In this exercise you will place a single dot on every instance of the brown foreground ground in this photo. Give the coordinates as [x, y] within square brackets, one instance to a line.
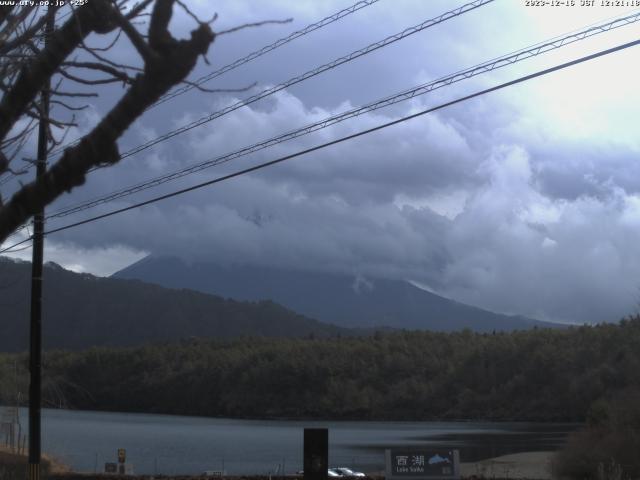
[529, 465]
[13, 465]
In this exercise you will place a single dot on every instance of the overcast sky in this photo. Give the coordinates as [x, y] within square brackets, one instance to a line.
[523, 201]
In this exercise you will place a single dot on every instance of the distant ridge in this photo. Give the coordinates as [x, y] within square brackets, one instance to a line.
[338, 299]
[81, 311]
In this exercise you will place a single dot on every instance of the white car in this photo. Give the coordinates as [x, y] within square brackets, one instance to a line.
[347, 472]
[332, 472]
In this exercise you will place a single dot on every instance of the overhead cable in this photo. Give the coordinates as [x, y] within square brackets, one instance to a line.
[339, 140]
[311, 73]
[499, 62]
[246, 59]
[266, 49]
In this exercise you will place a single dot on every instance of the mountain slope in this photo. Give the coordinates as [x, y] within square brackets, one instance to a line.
[80, 310]
[338, 299]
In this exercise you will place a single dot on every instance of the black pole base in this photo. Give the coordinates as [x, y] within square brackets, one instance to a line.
[34, 471]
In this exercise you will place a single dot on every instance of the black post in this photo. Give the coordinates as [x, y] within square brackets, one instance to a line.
[35, 344]
[316, 453]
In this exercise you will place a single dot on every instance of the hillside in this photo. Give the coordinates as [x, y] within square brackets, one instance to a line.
[338, 299]
[81, 310]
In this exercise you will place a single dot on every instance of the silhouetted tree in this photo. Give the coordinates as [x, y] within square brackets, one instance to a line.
[27, 65]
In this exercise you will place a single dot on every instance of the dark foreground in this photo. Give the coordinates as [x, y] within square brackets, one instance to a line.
[529, 465]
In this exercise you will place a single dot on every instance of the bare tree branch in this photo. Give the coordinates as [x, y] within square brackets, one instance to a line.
[192, 15]
[137, 9]
[5, 11]
[172, 61]
[38, 114]
[14, 21]
[101, 58]
[60, 93]
[99, 81]
[109, 46]
[136, 39]
[114, 72]
[24, 36]
[90, 17]
[159, 36]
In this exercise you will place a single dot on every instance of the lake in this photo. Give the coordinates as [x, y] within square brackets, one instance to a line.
[169, 444]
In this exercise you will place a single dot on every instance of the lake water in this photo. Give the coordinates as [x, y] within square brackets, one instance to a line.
[168, 444]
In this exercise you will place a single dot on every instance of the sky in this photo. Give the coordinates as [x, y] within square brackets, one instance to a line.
[522, 201]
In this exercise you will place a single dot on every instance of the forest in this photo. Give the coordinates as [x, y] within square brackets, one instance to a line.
[537, 375]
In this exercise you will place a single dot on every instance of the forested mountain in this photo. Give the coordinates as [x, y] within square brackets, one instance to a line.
[343, 300]
[537, 374]
[80, 310]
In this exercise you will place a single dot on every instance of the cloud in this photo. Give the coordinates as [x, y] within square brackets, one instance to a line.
[517, 250]
[522, 201]
[100, 261]
[514, 227]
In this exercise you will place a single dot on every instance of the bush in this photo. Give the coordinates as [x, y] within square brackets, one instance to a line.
[608, 448]
[14, 467]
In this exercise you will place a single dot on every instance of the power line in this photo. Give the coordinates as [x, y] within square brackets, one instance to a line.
[499, 62]
[11, 175]
[342, 139]
[266, 49]
[16, 250]
[10, 248]
[311, 73]
[235, 64]
[15, 233]
[252, 56]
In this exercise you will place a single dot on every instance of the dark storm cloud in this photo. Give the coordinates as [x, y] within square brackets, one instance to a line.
[513, 202]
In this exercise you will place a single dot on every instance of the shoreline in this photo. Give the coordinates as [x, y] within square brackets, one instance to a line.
[345, 419]
[525, 465]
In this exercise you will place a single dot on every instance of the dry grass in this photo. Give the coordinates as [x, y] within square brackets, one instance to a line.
[13, 465]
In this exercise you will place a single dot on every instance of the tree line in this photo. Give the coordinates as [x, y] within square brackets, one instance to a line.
[537, 375]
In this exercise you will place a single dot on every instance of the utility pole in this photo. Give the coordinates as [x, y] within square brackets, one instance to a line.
[35, 344]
